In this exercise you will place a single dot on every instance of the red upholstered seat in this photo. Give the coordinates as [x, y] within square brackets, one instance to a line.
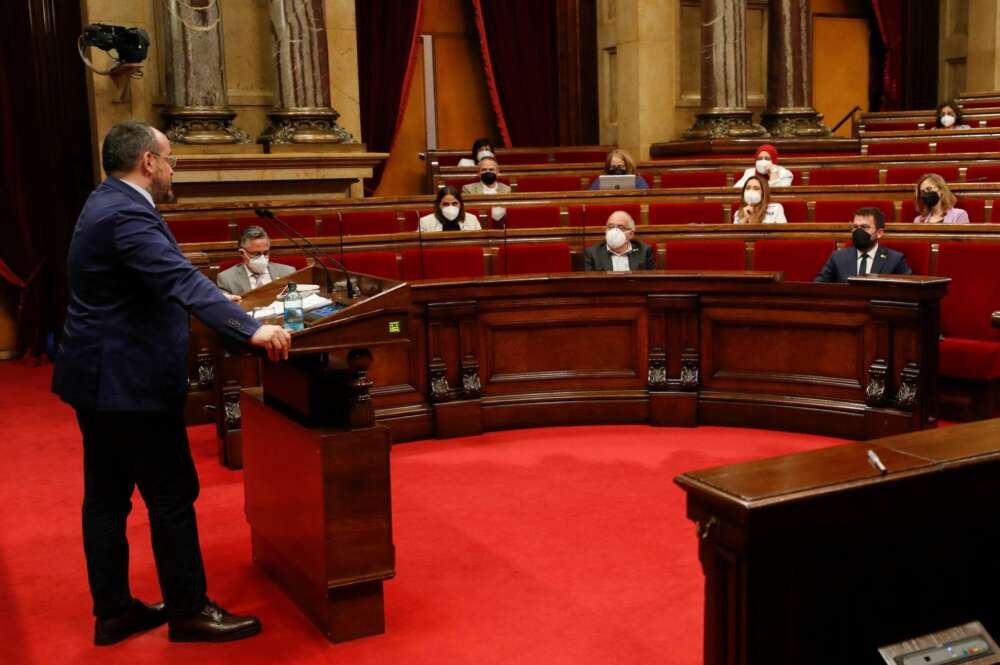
[701, 212]
[843, 176]
[982, 173]
[202, 229]
[580, 156]
[532, 217]
[458, 182]
[304, 224]
[800, 260]
[538, 258]
[380, 264]
[705, 255]
[549, 183]
[368, 222]
[969, 358]
[908, 175]
[907, 212]
[681, 179]
[443, 263]
[899, 148]
[981, 104]
[917, 253]
[968, 145]
[531, 157]
[971, 346]
[990, 122]
[842, 212]
[597, 214]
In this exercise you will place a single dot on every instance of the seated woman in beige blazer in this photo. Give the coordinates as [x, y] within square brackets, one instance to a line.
[449, 214]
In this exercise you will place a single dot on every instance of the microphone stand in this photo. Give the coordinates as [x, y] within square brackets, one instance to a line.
[420, 244]
[308, 247]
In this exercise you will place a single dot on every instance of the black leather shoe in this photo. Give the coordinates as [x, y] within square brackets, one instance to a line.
[139, 618]
[213, 624]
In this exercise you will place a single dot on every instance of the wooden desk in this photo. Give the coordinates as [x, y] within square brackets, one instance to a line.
[817, 558]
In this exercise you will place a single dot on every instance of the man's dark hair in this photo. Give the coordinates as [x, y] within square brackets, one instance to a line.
[124, 145]
[253, 232]
[874, 213]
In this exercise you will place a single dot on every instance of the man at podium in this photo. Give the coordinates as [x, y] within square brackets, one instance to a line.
[121, 364]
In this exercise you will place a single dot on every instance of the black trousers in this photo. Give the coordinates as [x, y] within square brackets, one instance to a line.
[122, 451]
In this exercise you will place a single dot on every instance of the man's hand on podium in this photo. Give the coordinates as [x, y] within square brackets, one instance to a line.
[275, 339]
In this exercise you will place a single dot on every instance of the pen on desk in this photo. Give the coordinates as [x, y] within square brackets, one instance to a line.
[874, 460]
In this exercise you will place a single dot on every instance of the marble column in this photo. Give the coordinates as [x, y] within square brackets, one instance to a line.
[789, 72]
[724, 111]
[302, 112]
[197, 103]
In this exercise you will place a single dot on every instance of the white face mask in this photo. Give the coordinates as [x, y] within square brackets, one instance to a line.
[482, 154]
[615, 238]
[947, 120]
[763, 166]
[258, 264]
[752, 196]
[450, 212]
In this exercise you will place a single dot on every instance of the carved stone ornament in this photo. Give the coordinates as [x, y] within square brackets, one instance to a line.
[724, 124]
[232, 410]
[471, 386]
[203, 127]
[689, 370]
[657, 375]
[305, 126]
[794, 124]
[875, 390]
[906, 396]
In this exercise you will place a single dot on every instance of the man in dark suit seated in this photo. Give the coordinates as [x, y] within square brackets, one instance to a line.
[256, 269]
[865, 257]
[122, 365]
[620, 251]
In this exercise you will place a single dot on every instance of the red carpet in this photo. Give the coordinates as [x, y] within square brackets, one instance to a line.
[563, 545]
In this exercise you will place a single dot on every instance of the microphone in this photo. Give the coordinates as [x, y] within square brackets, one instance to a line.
[420, 243]
[308, 247]
[506, 250]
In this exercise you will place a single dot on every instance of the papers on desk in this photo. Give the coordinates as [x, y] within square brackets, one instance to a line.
[277, 308]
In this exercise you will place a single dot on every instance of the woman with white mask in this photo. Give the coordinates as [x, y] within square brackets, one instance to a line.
[767, 166]
[449, 214]
[949, 116]
[482, 147]
[755, 207]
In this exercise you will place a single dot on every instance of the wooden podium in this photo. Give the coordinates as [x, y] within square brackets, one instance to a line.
[316, 466]
[819, 558]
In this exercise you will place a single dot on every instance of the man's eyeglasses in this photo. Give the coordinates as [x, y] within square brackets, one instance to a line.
[620, 227]
[171, 160]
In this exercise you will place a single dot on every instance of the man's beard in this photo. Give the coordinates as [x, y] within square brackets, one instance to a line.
[163, 194]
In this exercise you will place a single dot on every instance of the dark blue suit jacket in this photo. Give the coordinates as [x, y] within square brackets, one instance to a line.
[125, 343]
[843, 263]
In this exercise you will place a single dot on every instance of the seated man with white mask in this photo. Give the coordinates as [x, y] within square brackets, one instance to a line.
[620, 251]
[256, 270]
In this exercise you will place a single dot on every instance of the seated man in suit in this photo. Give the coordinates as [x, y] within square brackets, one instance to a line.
[865, 257]
[255, 270]
[489, 171]
[620, 251]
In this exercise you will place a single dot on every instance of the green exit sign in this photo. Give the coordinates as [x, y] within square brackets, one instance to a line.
[394, 326]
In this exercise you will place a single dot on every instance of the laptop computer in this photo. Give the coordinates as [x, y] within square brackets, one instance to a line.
[616, 182]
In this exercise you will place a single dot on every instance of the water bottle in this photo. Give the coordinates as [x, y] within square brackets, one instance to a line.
[294, 316]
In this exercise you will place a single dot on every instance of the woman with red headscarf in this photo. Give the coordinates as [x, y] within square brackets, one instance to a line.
[767, 166]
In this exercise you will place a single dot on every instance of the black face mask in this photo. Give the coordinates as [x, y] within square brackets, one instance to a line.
[488, 178]
[617, 170]
[930, 199]
[862, 241]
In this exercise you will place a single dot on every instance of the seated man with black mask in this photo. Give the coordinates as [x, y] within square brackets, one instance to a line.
[865, 257]
[489, 171]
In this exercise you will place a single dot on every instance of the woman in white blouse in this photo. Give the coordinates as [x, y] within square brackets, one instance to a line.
[767, 166]
[449, 214]
[755, 205]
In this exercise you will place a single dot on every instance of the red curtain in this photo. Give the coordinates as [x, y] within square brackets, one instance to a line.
[518, 41]
[889, 14]
[387, 49]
